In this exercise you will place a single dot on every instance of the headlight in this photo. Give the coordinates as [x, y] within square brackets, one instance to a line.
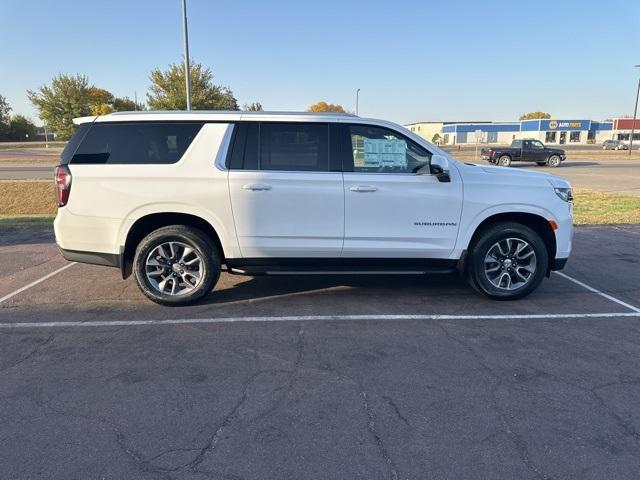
[564, 193]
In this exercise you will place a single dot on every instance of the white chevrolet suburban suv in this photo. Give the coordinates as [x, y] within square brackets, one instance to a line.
[175, 197]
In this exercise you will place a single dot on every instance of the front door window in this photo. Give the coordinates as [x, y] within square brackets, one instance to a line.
[379, 150]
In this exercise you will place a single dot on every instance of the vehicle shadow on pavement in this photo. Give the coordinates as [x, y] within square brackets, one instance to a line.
[253, 288]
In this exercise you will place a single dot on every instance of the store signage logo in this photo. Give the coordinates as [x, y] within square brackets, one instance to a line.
[554, 124]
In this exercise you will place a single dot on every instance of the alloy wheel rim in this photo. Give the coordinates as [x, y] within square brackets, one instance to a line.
[510, 263]
[174, 268]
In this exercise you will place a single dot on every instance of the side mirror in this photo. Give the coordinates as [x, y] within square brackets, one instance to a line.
[440, 168]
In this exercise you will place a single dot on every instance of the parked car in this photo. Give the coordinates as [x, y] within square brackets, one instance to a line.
[615, 145]
[527, 150]
[175, 197]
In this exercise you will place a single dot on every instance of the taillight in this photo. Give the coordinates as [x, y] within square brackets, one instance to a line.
[63, 184]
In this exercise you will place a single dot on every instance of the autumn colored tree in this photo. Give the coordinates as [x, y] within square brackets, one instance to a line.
[534, 115]
[167, 90]
[326, 107]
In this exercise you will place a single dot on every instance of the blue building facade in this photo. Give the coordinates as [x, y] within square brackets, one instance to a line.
[561, 132]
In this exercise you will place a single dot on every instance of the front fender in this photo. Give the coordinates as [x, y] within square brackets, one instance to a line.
[465, 236]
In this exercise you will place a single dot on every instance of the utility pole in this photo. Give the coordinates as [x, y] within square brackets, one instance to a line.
[187, 71]
[635, 115]
[357, 98]
[135, 100]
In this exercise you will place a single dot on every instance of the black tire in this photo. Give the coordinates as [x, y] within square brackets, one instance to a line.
[203, 248]
[485, 241]
[542, 164]
[554, 161]
[504, 160]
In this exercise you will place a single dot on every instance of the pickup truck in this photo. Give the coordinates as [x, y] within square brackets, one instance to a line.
[524, 151]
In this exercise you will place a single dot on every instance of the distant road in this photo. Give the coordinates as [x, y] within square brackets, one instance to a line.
[26, 172]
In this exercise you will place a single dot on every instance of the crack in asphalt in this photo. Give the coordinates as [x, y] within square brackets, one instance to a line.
[396, 409]
[34, 352]
[517, 440]
[377, 438]
[232, 415]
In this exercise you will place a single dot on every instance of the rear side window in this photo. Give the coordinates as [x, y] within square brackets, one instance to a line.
[72, 145]
[294, 147]
[136, 143]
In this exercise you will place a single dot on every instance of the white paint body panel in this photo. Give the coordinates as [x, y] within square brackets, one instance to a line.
[302, 214]
[298, 214]
[410, 216]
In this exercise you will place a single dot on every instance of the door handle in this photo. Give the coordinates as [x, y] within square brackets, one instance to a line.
[363, 188]
[256, 186]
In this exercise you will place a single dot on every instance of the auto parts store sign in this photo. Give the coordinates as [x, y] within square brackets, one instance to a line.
[564, 125]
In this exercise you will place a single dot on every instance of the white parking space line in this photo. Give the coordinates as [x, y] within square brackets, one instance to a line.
[311, 318]
[595, 290]
[33, 284]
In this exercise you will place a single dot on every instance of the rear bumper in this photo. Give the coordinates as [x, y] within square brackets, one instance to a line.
[558, 263]
[94, 258]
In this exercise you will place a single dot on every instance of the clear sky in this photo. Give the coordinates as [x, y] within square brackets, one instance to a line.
[413, 60]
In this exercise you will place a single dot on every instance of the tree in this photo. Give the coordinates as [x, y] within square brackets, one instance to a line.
[252, 107]
[21, 129]
[326, 107]
[167, 90]
[100, 100]
[68, 97]
[436, 138]
[534, 115]
[5, 109]
[125, 104]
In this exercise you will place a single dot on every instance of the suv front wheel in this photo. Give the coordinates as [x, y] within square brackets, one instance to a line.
[176, 265]
[507, 261]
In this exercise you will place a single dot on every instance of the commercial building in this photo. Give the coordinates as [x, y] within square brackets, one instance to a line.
[551, 131]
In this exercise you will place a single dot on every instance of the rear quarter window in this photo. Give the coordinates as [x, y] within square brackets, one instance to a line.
[135, 143]
[72, 145]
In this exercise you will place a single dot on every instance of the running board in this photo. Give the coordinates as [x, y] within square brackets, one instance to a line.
[294, 266]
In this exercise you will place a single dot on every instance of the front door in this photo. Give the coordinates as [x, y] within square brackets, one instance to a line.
[563, 138]
[394, 207]
[285, 201]
[536, 151]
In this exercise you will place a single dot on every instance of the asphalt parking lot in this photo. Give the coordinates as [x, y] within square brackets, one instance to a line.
[320, 377]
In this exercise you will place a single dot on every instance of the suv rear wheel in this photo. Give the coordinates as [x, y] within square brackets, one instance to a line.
[507, 261]
[176, 265]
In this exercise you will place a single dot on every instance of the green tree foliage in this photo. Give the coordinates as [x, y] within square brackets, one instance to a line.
[125, 104]
[326, 107]
[21, 129]
[252, 107]
[167, 90]
[534, 115]
[5, 110]
[436, 138]
[68, 97]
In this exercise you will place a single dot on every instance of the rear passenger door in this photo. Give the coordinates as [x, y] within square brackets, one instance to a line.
[287, 200]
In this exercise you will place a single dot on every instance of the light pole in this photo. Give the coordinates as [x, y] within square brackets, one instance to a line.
[186, 54]
[635, 114]
[357, 98]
